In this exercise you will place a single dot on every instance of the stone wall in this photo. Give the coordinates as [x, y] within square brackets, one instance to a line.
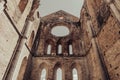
[51, 64]
[100, 21]
[85, 57]
[17, 32]
[95, 37]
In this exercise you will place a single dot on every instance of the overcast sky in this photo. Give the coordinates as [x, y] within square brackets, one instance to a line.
[70, 6]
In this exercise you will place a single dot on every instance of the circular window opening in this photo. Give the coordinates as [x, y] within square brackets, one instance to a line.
[60, 31]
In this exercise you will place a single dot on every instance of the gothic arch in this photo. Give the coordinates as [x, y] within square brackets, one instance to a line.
[52, 43]
[76, 66]
[58, 65]
[70, 46]
[41, 67]
[22, 5]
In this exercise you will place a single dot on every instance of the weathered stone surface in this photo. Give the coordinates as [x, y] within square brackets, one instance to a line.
[94, 37]
[12, 29]
[7, 44]
[112, 60]
[106, 30]
[52, 63]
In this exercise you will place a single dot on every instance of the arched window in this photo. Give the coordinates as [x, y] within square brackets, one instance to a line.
[59, 74]
[75, 74]
[49, 49]
[70, 49]
[22, 5]
[59, 49]
[43, 74]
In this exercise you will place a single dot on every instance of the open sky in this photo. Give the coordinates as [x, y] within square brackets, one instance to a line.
[70, 6]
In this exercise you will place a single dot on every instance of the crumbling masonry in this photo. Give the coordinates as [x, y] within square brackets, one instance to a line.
[94, 39]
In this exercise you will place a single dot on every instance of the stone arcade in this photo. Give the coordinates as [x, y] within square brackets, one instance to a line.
[28, 48]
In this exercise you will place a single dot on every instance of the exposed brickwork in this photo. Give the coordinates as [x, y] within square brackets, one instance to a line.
[106, 30]
[52, 63]
[112, 60]
[94, 37]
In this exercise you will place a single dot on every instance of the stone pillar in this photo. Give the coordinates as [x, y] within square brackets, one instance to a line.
[89, 29]
[53, 50]
[83, 48]
[50, 75]
[40, 50]
[67, 72]
[75, 48]
[16, 56]
[96, 63]
[65, 49]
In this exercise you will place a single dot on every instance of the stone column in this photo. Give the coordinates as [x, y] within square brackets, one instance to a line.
[53, 50]
[75, 48]
[97, 65]
[67, 71]
[65, 49]
[50, 75]
[40, 50]
[16, 56]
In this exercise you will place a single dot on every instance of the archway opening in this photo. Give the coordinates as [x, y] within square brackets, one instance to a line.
[75, 74]
[59, 49]
[43, 75]
[70, 50]
[49, 49]
[59, 74]
[60, 31]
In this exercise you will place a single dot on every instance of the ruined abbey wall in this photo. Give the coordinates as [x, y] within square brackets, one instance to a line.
[95, 40]
[100, 20]
[19, 22]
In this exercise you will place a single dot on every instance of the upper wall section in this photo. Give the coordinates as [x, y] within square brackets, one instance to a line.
[100, 20]
[45, 37]
[15, 17]
[19, 10]
[60, 15]
[8, 41]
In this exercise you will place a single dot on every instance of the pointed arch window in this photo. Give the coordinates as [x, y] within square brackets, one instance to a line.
[59, 49]
[22, 5]
[70, 49]
[49, 49]
[75, 74]
[59, 74]
[43, 74]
